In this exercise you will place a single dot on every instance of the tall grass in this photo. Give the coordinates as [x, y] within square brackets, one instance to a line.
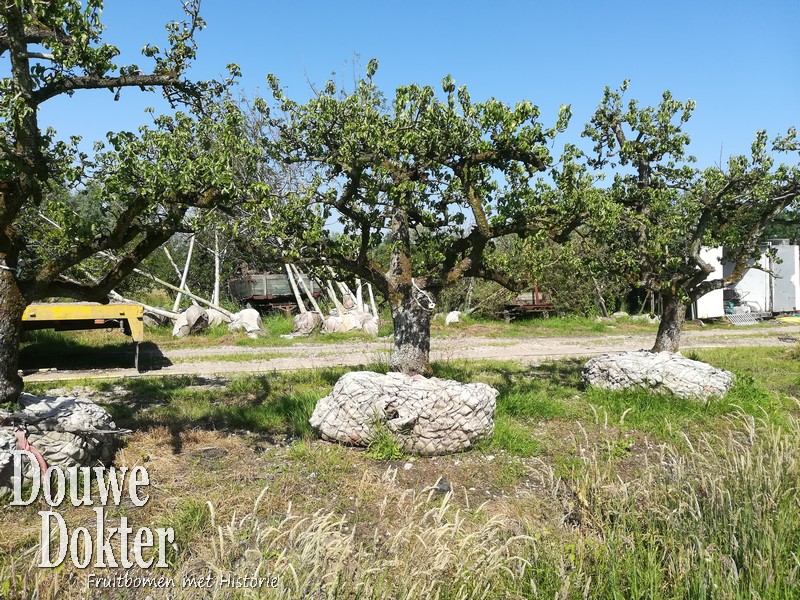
[721, 520]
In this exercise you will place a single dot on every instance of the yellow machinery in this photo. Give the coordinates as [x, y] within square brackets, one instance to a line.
[65, 316]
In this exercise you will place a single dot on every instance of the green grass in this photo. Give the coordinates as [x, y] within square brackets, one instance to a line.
[714, 513]
[664, 414]
[513, 437]
[550, 394]
[382, 446]
[280, 403]
[540, 327]
[231, 357]
[188, 518]
[767, 380]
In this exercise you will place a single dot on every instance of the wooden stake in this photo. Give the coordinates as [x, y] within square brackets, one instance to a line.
[307, 291]
[185, 273]
[297, 296]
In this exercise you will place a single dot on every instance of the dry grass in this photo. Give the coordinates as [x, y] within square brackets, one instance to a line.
[580, 494]
[713, 517]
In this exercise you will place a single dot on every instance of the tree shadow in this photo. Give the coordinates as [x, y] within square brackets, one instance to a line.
[251, 406]
[51, 350]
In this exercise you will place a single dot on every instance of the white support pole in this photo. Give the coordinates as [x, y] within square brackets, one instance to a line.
[215, 293]
[372, 301]
[172, 261]
[334, 299]
[298, 298]
[359, 295]
[307, 291]
[185, 273]
[153, 309]
[346, 292]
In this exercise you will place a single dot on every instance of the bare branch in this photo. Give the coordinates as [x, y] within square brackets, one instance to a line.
[86, 82]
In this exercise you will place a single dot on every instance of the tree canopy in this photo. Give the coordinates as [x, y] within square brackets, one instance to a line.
[663, 210]
[438, 175]
[141, 184]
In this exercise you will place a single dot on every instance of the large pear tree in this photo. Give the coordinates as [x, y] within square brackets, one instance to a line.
[437, 176]
[663, 210]
[144, 182]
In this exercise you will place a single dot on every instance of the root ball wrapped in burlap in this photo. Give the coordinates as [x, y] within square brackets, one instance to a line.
[427, 416]
[657, 371]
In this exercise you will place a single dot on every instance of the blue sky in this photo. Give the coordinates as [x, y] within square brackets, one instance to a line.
[739, 60]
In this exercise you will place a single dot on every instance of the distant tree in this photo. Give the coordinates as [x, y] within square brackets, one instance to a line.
[662, 210]
[143, 184]
[440, 178]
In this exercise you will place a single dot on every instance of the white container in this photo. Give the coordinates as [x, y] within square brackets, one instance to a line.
[786, 282]
[711, 305]
[755, 287]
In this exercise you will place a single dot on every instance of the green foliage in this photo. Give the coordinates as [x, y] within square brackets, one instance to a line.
[661, 210]
[88, 221]
[429, 182]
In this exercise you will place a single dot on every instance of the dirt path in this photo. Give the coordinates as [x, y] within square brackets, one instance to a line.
[226, 360]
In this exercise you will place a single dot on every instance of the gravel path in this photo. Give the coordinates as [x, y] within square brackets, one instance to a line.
[530, 350]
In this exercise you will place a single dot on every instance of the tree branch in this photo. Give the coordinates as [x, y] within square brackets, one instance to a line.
[87, 82]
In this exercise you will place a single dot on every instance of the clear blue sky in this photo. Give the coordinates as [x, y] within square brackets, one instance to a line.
[740, 60]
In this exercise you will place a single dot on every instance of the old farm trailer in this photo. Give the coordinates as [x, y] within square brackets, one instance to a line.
[267, 292]
[527, 304]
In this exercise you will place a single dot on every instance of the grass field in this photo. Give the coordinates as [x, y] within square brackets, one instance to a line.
[580, 493]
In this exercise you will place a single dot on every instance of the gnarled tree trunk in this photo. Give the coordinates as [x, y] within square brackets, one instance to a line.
[673, 315]
[12, 305]
[412, 337]
[411, 308]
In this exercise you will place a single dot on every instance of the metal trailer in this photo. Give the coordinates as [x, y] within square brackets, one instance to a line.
[527, 304]
[267, 291]
[70, 316]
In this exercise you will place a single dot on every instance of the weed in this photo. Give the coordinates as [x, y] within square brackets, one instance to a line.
[382, 445]
[188, 519]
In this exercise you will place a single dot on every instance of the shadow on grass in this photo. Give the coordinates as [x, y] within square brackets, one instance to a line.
[52, 350]
[270, 407]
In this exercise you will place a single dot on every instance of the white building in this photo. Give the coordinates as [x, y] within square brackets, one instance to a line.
[711, 305]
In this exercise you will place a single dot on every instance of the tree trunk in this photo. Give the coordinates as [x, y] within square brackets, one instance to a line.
[673, 314]
[12, 305]
[412, 337]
